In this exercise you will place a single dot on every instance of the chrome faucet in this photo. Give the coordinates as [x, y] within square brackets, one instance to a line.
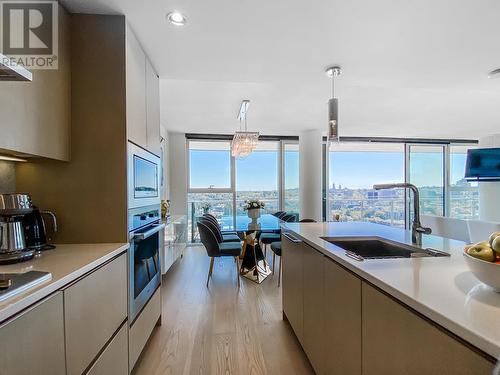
[416, 228]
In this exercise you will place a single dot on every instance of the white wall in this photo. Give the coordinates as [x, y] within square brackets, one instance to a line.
[489, 192]
[177, 174]
[310, 146]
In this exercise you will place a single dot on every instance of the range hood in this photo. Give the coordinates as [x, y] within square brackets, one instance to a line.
[10, 72]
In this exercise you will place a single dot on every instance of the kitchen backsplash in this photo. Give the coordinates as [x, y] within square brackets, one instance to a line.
[7, 177]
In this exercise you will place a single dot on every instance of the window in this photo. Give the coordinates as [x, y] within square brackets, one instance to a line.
[426, 171]
[353, 170]
[463, 195]
[436, 169]
[209, 165]
[291, 178]
[219, 184]
[257, 177]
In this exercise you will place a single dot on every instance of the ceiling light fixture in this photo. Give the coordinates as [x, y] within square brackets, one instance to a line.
[494, 73]
[333, 106]
[176, 18]
[244, 142]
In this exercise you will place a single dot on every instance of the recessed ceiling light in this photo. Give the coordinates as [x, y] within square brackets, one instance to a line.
[494, 73]
[176, 18]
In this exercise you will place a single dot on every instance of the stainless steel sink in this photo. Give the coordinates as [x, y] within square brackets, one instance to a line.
[361, 248]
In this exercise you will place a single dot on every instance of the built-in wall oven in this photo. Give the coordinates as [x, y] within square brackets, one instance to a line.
[145, 227]
[145, 231]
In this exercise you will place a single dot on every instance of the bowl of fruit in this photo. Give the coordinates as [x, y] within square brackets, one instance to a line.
[483, 259]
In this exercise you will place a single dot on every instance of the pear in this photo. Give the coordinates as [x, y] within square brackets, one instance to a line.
[495, 245]
[482, 251]
[492, 237]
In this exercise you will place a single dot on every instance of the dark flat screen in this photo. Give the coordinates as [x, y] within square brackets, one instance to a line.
[483, 163]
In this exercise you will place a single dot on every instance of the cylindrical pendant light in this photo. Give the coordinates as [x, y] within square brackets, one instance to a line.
[333, 106]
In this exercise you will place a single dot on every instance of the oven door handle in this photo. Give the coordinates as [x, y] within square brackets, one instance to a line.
[149, 233]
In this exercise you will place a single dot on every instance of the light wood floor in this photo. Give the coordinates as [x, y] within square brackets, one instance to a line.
[220, 330]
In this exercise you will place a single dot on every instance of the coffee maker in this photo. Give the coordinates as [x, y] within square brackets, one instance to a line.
[13, 247]
[35, 229]
[23, 230]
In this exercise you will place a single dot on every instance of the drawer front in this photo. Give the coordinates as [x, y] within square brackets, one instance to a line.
[143, 326]
[94, 308]
[33, 343]
[114, 359]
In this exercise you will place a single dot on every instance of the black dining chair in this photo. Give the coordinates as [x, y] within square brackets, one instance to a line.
[279, 214]
[217, 250]
[268, 238]
[276, 248]
[226, 236]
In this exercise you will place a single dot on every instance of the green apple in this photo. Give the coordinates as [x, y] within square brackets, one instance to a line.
[496, 245]
[493, 236]
[481, 251]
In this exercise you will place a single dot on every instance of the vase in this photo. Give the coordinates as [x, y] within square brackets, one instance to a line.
[254, 214]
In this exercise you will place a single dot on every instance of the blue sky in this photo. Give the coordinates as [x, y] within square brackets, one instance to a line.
[350, 169]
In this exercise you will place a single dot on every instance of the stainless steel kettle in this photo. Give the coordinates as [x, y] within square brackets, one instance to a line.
[12, 236]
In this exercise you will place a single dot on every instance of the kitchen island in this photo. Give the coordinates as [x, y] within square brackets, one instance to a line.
[406, 315]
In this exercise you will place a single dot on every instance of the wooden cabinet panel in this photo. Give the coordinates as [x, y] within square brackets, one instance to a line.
[36, 115]
[141, 330]
[292, 286]
[33, 342]
[342, 320]
[114, 359]
[314, 307]
[136, 90]
[94, 308]
[397, 341]
[152, 109]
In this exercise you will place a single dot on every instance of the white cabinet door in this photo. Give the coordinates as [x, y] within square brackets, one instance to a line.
[32, 343]
[136, 90]
[94, 308]
[152, 109]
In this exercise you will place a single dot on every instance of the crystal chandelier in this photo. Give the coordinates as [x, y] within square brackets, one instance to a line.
[333, 106]
[244, 142]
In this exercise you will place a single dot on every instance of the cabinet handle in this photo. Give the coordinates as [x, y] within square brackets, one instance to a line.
[292, 238]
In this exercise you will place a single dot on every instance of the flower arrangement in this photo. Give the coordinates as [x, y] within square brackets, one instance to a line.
[206, 207]
[253, 204]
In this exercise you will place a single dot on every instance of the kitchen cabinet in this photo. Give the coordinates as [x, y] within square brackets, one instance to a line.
[292, 257]
[33, 341]
[342, 320]
[396, 340]
[36, 115]
[314, 307]
[114, 359]
[136, 90]
[141, 329]
[152, 109]
[94, 308]
[143, 97]
[174, 241]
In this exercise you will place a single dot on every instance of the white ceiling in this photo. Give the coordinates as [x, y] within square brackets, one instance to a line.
[410, 68]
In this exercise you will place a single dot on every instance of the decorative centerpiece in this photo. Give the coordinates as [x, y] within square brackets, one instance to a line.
[253, 208]
[483, 259]
[205, 207]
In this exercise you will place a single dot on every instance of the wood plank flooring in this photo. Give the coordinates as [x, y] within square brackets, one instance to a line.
[220, 330]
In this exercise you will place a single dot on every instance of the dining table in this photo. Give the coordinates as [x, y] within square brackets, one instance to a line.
[254, 265]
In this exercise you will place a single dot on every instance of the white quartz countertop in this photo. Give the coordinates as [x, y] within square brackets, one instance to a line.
[442, 289]
[66, 263]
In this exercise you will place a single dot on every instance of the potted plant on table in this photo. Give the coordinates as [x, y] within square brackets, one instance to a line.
[253, 208]
[205, 207]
